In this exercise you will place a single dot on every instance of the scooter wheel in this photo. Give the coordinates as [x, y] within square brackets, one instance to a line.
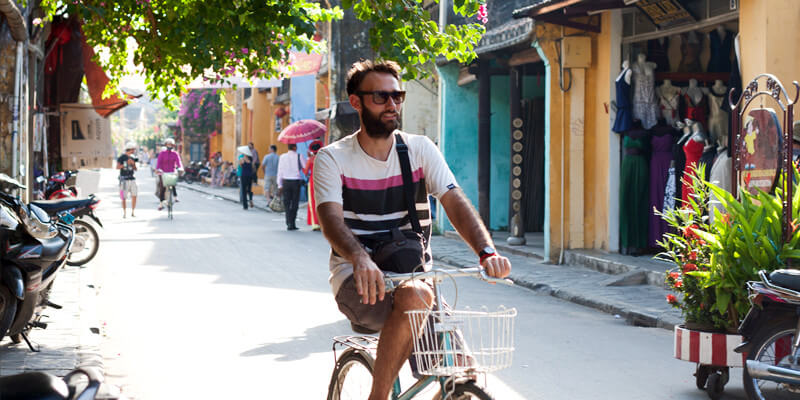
[715, 386]
[701, 376]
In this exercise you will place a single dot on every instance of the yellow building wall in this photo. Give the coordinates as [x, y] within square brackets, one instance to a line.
[596, 122]
[228, 129]
[769, 33]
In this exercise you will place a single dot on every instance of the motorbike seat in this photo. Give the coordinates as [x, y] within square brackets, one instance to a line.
[53, 249]
[54, 206]
[33, 386]
[787, 278]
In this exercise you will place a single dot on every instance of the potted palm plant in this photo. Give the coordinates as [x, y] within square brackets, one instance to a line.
[715, 253]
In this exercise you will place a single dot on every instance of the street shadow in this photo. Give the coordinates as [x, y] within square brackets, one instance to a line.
[318, 339]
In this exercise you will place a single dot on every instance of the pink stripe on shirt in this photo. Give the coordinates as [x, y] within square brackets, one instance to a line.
[379, 184]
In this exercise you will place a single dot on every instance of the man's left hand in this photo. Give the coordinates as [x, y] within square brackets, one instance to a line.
[497, 266]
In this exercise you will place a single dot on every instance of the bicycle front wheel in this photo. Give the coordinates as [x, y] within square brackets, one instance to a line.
[352, 377]
[169, 203]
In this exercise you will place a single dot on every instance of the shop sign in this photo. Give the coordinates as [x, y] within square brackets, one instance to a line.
[761, 144]
[665, 13]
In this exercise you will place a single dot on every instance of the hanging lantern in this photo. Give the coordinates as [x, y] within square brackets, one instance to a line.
[280, 112]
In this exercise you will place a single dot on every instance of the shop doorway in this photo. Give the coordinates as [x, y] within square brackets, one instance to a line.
[533, 164]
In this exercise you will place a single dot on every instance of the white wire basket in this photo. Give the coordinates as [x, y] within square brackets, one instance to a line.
[169, 179]
[458, 342]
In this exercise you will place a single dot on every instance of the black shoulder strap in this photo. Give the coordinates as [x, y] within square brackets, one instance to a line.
[408, 183]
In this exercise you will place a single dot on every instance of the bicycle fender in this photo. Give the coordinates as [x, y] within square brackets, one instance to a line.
[12, 277]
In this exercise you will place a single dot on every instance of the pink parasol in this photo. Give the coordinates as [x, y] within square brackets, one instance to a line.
[302, 131]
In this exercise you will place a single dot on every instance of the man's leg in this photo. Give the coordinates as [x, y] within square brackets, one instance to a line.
[242, 194]
[134, 191]
[295, 202]
[395, 343]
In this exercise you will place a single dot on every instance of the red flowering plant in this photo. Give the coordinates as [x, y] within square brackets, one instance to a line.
[715, 256]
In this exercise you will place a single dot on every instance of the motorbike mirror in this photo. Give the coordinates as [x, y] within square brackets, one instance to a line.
[7, 180]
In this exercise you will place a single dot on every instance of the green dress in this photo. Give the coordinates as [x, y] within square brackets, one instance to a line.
[634, 193]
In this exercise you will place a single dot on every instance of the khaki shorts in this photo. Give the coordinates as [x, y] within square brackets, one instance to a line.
[128, 188]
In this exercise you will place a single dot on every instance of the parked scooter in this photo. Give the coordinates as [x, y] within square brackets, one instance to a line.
[87, 241]
[194, 172]
[61, 185]
[34, 250]
[40, 386]
[770, 336]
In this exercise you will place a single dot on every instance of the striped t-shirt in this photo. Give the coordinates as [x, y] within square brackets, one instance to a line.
[371, 191]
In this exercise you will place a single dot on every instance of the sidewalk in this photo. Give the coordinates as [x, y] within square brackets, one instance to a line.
[73, 334]
[630, 288]
[232, 194]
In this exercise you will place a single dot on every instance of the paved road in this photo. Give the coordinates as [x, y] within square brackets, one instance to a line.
[225, 303]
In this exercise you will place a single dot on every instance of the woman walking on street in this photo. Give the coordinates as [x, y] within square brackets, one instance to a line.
[311, 213]
[245, 180]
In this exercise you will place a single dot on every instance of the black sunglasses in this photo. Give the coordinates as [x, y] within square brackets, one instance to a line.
[381, 97]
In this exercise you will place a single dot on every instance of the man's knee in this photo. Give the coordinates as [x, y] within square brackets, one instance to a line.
[413, 296]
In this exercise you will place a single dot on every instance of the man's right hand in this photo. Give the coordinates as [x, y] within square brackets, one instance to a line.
[369, 280]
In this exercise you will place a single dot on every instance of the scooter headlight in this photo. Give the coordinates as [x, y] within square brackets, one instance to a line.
[37, 222]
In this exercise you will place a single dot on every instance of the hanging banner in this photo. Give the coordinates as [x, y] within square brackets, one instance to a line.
[85, 138]
[305, 64]
[665, 13]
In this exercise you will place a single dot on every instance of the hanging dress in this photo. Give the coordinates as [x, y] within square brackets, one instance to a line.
[693, 151]
[657, 53]
[623, 120]
[645, 103]
[695, 112]
[634, 186]
[661, 146]
[707, 159]
[690, 53]
[720, 49]
[718, 116]
[721, 173]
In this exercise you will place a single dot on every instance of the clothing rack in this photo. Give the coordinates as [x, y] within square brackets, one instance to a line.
[702, 77]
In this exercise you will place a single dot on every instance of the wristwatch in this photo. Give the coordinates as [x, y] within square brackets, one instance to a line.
[486, 253]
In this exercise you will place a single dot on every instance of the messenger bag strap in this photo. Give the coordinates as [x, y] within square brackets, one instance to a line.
[408, 183]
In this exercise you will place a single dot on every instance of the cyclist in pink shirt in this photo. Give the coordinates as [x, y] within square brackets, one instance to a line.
[168, 161]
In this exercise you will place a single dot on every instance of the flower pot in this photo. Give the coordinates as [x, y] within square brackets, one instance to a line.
[707, 348]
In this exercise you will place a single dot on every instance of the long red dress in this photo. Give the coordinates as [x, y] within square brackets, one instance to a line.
[693, 150]
[311, 213]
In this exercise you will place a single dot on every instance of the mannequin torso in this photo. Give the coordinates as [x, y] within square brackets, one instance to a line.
[669, 101]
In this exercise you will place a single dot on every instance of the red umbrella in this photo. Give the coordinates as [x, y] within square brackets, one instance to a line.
[302, 131]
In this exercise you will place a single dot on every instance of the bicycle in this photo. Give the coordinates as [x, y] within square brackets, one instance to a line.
[169, 180]
[451, 346]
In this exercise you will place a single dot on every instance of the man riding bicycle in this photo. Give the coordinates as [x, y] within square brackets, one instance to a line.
[169, 161]
[359, 190]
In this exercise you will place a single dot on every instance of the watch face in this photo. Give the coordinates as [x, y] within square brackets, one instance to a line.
[488, 250]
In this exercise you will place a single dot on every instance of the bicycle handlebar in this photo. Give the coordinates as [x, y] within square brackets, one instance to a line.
[392, 280]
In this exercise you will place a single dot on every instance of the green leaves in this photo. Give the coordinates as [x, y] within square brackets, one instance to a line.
[744, 237]
[179, 40]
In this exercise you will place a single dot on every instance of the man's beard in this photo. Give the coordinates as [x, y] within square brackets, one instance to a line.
[376, 128]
